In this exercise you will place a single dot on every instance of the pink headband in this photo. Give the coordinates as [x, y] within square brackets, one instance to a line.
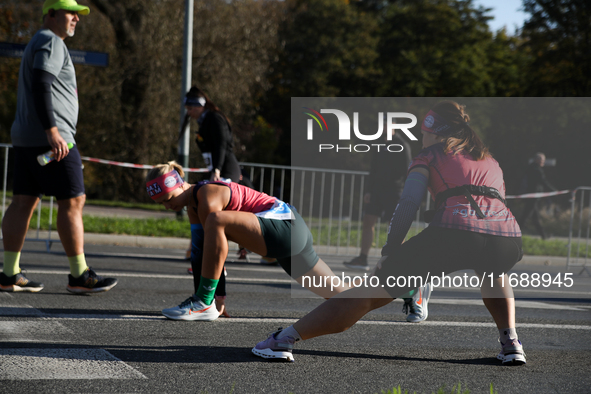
[164, 184]
[437, 124]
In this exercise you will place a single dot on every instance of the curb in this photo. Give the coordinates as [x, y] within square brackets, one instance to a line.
[120, 240]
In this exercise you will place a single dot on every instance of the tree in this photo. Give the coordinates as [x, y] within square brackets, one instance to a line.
[558, 38]
[129, 111]
[328, 48]
[234, 45]
[436, 48]
[17, 25]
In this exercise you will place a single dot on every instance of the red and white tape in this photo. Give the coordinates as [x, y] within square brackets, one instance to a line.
[147, 167]
[539, 195]
[131, 165]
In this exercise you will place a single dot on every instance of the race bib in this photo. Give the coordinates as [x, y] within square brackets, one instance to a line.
[279, 211]
[208, 160]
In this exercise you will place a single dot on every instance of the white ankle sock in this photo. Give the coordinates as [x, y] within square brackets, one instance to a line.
[290, 332]
[507, 334]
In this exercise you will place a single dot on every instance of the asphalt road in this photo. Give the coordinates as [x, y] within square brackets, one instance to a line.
[118, 342]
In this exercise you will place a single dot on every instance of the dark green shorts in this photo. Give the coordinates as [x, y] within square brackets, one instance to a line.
[290, 242]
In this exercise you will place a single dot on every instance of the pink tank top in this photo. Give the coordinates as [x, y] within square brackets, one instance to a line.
[245, 199]
[448, 171]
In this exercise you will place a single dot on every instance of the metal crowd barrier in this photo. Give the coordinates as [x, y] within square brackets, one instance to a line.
[583, 208]
[330, 201]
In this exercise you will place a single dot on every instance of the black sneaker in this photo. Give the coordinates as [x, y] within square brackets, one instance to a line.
[358, 263]
[90, 282]
[19, 282]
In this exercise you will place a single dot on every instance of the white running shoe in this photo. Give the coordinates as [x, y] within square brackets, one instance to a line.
[512, 353]
[192, 309]
[273, 348]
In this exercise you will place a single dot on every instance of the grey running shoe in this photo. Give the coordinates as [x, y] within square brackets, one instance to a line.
[358, 263]
[274, 348]
[416, 307]
[192, 309]
[512, 353]
[19, 282]
[90, 282]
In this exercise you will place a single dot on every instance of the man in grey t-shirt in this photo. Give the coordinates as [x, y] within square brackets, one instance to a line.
[46, 117]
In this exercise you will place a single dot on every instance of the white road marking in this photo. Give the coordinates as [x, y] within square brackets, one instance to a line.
[110, 317]
[27, 363]
[445, 301]
[33, 331]
[88, 316]
[519, 290]
[422, 324]
[161, 276]
[32, 363]
[271, 280]
[518, 304]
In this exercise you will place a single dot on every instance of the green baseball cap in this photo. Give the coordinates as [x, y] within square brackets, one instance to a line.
[68, 5]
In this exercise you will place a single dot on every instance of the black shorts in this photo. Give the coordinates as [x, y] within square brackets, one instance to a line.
[61, 179]
[439, 250]
[290, 242]
[382, 204]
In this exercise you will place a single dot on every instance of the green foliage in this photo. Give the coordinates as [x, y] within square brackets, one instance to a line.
[327, 59]
[252, 56]
[553, 247]
[558, 38]
[260, 142]
[328, 48]
[13, 24]
[143, 227]
[396, 390]
[331, 234]
[127, 226]
[119, 204]
[456, 389]
[444, 48]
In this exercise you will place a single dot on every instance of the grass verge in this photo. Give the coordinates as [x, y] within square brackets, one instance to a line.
[107, 203]
[180, 229]
[125, 226]
[456, 389]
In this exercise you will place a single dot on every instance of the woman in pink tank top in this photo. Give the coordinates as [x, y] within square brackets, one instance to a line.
[220, 212]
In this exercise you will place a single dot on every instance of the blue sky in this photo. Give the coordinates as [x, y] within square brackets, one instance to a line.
[505, 13]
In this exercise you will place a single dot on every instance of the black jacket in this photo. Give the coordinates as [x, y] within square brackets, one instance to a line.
[214, 139]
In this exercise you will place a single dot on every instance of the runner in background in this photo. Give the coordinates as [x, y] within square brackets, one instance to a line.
[535, 182]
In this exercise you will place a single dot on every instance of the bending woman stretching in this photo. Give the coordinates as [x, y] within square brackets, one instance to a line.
[471, 228]
[219, 212]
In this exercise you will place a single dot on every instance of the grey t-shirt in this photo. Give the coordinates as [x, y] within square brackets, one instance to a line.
[46, 51]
